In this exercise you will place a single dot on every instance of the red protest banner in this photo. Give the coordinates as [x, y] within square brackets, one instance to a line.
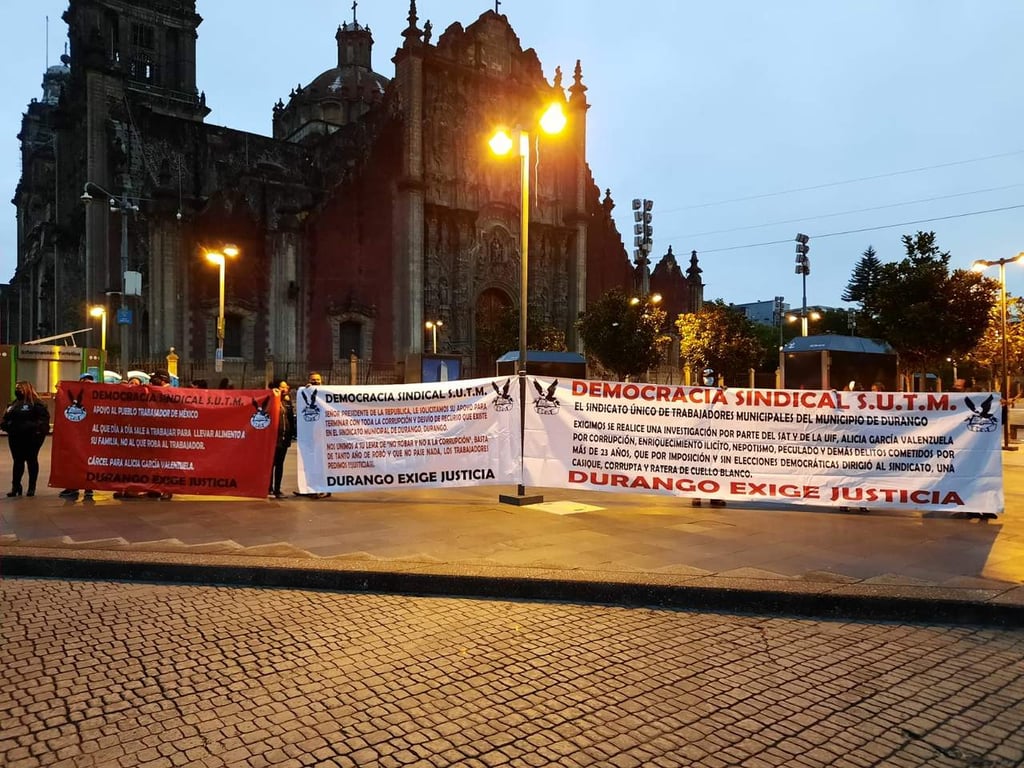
[147, 438]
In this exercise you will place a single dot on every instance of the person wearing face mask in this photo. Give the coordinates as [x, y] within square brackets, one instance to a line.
[26, 422]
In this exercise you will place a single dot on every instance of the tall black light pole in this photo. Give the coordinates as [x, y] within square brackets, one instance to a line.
[803, 267]
[502, 143]
[980, 266]
[124, 206]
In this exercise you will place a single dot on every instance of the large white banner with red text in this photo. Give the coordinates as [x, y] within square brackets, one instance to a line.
[194, 441]
[930, 451]
[444, 434]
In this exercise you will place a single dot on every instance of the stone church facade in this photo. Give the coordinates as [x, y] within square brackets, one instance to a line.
[374, 207]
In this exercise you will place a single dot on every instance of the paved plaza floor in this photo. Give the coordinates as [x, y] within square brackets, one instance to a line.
[608, 547]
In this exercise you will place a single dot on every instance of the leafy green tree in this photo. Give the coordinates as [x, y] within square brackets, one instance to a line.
[768, 343]
[924, 311]
[988, 352]
[719, 337]
[864, 279]
[623, 336]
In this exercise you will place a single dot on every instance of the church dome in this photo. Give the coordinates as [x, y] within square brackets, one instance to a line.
[336, 97]
[346, 83]
[55, 78]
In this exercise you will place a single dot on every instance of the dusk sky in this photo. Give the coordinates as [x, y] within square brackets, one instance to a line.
[745, 122]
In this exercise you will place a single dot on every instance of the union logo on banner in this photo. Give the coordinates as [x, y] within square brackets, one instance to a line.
[260, 419]
[503, 402]
[546, 404]
[75, 411]
[981, 420]
[311, 408]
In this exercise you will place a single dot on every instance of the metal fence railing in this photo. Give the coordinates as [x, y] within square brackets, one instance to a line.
[241, 374]
[248, 375]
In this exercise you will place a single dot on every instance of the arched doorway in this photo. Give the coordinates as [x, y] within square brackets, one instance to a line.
[496, 329]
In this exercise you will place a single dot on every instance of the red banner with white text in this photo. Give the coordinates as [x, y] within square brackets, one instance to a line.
[145, 438]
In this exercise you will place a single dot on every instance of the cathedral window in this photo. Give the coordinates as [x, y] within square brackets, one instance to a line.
[142, 69]
[350, 336]
[142, 36]
[112, 30]
[173, 58]
[351, 331]
[233, 332]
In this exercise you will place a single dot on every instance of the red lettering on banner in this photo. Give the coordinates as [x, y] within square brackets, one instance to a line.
[781, 398]
[613, 480]
[785, 490]
[650, 392]
[918, 497]
[905, 401]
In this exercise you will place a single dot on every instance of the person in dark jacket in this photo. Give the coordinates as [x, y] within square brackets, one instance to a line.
[26, 422]
[285, 435]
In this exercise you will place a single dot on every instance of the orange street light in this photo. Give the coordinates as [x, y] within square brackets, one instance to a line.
[432, 326]
[220, 259]
[101, 312]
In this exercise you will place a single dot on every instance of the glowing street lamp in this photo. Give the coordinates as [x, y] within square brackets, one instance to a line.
[101, 312]
[654, 299]
[432, 326]
[503, 142]
[220, 259]
[804, 317]
[980, 266]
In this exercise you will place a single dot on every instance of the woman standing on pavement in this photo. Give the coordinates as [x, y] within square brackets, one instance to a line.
[26, 422]
[285, 435]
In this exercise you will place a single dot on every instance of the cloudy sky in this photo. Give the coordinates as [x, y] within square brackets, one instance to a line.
[854, 121]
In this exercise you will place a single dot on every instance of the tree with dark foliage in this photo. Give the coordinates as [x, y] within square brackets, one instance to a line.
[624, 335]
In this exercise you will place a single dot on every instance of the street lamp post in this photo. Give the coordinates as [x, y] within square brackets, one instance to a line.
[804, 317]
[777, 314]
[101, 312]
[124, 206]
[220, 259]
[650, 303]
[432, 326]
[980, 266]
[803, 267]
[552, 121]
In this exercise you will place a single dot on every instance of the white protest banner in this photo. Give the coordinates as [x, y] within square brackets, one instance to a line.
[446, 434]
[927, 451]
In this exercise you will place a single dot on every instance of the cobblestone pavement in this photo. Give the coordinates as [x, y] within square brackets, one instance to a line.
[118, 674]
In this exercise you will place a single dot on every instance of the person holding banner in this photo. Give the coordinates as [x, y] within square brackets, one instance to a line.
[26, 422]
[72, 493]
[285, 435]
[709, 380]
[315, 379]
